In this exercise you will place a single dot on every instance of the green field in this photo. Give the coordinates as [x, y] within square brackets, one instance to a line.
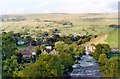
[112, 39]
[98, 22]
[22, 47]
[114, 55]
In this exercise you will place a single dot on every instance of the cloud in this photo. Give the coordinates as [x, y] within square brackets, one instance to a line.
[58, 6]
[81, 6]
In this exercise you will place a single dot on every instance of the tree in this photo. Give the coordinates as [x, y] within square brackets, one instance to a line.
[8, 45]
[45, 66]
[10, 66]
[68, 40]
[66, 49]
[66, 54]
[55, 31]
[79, 42]
[50, 41]
[67, 61]
[72, 49]
[39, 48]
[71, 36]
[19, 58]
[112, 68]
[102, 59]
[56, 37]
[44, 34]
[28, 39]
[59, 46]
[106, 49]
[101, 48]
[80, 50]
[16, 37]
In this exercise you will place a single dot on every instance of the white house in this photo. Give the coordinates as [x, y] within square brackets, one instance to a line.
[49, 47]
[52, 52]
[89, 49]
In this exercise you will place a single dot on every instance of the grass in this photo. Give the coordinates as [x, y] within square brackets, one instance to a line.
[112, 39]
[80, 22]
[114, 55]
[98, 40]
[76, 19]
[22, 47]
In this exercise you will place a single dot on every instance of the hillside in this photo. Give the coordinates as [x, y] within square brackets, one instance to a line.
[112, 39]
[81, 23]
[99, 40]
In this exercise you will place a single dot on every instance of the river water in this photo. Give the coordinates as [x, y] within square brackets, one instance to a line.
[87, 66]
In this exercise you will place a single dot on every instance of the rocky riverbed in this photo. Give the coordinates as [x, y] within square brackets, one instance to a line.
[87, 66]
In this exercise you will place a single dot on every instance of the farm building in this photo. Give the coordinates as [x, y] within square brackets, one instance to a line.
[115, 50]
[52, 52]
[89, 49]
[28, 53]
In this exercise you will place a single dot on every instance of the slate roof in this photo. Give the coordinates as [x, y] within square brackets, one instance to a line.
[27, 51]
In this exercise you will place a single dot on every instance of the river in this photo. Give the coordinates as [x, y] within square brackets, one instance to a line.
[87, 66]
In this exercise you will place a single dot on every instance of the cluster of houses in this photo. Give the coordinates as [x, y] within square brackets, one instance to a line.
[49, 50]
[115, 50]
[89, 49]
[29, 53]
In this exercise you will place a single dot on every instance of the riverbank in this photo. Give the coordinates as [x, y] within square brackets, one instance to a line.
[87, 66]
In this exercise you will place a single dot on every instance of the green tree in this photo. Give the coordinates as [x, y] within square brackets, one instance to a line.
[101, 48]
[67, 40]
[10, 66]
[46, 66]
[8, 45]
[55, 31]
[102, 59]
[39, 48]
[80, 50]
[72, 49]
[67, 60]
[112, 68]
[28, 39]
[106, 49]
[59, 46]
[79, 41]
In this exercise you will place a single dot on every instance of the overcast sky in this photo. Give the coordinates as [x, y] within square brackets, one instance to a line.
[58, 6]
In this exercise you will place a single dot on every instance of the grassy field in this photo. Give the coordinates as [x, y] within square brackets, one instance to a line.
[22, 47]
[112, 39]
[114, 55]
[99, 40]
[98, 22]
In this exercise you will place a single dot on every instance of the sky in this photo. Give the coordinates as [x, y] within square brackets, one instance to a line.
[58, 6]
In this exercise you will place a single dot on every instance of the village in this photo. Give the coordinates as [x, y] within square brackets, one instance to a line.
[59, 39]
[30, 51]
[70, 51]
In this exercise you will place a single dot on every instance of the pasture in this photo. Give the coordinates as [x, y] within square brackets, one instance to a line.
[112, 39]
[84, 23]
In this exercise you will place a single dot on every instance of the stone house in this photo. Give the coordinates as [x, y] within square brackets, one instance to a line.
[115, 50]
[28, 53]
[52, 52]
[89, 49]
